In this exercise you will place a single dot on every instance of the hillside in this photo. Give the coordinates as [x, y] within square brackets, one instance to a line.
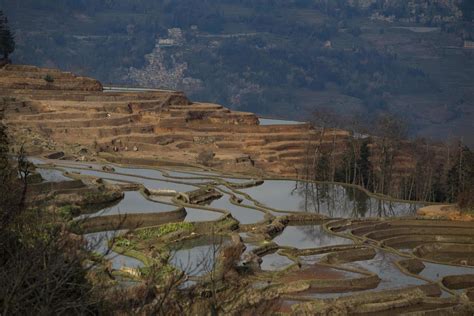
[50, 111]
[276, 58]
[281, 59]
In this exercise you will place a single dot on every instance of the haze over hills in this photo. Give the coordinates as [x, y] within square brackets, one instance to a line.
[275, 58]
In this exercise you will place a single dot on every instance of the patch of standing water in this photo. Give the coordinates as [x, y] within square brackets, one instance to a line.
[312, 259]
[383, 264]
[197, 257]
[264, 121]
[99, 243]
[308, 236]
[275, 262]
[203, 177]
[200, 215]
[52, 175]
[148, 183]
[185, 177]
[36, 161]
[133, 202]
[243, 214]
[333, 200]
[435, 271]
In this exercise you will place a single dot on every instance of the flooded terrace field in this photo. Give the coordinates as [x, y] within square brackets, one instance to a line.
[314, 241]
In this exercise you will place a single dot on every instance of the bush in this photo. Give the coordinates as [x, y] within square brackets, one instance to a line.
[41, 264]
[48, 78]
[67, 212]
[205, 157]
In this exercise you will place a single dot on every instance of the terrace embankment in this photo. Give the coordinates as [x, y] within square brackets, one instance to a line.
[52, 110]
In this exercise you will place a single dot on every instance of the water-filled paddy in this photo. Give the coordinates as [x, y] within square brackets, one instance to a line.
[264, 121]
[308, 236]
[200, 215]
[156, 184]
[275, 262]
[134, 202]
[242, 214]
[383, 264]
[198, 256]
[333, 200]
[52, 175]
[435, 271]
[99, 243]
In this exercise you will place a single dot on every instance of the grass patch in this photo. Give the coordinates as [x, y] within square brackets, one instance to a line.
[67, 212]
[150, 233]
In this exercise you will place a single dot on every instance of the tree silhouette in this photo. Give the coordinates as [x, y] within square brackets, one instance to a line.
[7, 38]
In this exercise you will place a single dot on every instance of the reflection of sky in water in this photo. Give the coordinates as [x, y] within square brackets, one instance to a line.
[196, 261]
[242, 214]
[308, 236]
[99, 243]
[133, 202]
[196, 257]
[434, 271]
[204, 177]
[328, 199]
[312, 259]
[383, 264]
[52, 175]
[148, 183]
[264, 121]
[199, 215]
[275, 262]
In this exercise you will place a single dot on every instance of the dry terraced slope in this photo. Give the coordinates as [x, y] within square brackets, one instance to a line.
[73, 114]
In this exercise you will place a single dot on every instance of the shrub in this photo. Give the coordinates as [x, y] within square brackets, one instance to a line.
[205, 157]
[48, 78]
[68, 211]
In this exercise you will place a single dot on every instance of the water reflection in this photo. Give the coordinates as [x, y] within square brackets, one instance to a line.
[197, 257]
[52, 175]
[275, 262]
[383, 264]
[133, 202]
[308, 236]
[136, 177]
[200, 215]
[264, 121]
[435, 271]
[332, 200]
[99, 243]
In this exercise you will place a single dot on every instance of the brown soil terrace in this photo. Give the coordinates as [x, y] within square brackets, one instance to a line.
[73, 115]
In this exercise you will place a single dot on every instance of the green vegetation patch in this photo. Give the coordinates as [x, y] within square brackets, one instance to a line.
[69, 211]
[157, 232]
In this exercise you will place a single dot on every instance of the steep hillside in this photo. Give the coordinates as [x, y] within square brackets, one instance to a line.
[278, 58]
[62, 112]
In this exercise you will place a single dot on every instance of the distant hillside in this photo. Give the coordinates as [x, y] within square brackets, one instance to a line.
[276, 58]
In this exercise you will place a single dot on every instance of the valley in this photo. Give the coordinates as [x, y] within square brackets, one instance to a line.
[221, 205]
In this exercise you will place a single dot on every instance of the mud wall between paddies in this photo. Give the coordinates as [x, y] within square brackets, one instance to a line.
[130, 220]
